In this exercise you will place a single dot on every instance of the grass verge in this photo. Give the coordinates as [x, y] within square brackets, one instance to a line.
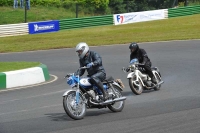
[10, 66]
[180, 28]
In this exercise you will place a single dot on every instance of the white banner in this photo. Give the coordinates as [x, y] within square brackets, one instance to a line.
[138, 16]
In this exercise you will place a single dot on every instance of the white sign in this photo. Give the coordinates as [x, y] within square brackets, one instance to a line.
[43, 27]
[138, 16]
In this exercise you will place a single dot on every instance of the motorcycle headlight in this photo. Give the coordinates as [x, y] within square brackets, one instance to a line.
[132, 67]
[71, 82]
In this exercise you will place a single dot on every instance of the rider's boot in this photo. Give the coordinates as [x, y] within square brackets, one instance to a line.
[105, 94]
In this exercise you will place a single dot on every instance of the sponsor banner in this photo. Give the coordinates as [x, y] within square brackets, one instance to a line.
[138, 17]
[43, 27]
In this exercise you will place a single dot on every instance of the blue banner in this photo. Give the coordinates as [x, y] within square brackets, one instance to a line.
[43, 27]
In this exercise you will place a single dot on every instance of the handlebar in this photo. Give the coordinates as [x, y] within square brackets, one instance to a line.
[141, 64]
[83, 67]
[70, 74]
[128, 68]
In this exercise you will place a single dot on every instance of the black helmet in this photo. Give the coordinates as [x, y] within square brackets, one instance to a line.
[133, 47]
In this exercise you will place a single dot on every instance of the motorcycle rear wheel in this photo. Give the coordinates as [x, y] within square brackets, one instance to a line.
[136, 89]
[117, 106]
[73, 110]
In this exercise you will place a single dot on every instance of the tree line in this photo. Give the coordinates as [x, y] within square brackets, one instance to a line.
[103, 6]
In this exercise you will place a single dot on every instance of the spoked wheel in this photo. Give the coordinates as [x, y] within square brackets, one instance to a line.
[158, 79]
[117, 106]
[136, 89]
[74, 110]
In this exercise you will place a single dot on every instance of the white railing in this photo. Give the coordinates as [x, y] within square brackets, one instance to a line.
[14, 29]
[166, 13]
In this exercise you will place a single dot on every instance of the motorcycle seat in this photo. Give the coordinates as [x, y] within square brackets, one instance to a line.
[153, 68]
[109, 79]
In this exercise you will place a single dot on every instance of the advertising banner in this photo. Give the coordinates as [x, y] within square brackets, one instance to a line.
[138, 16]
[43, 27]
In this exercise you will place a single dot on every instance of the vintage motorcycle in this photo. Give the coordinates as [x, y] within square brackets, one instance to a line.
[84, 95]
[139, 80]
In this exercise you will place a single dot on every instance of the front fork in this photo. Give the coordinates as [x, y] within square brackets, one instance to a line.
[77, 96]
[77, 92]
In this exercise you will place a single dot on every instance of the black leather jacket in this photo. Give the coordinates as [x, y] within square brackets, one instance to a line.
[141, 55]
[97, 61]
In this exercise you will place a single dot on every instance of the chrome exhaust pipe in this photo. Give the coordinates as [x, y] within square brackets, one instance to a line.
[109, 101]
[114, 100]
[161, 82]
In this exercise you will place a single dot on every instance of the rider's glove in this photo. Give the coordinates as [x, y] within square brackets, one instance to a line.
[90, 65]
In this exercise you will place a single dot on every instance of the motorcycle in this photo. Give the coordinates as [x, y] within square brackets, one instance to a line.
[83, 95]
[139, 80]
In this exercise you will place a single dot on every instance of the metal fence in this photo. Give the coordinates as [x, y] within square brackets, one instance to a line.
[183, 11]
[86, 22]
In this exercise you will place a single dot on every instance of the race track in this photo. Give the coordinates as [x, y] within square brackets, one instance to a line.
[173, 109]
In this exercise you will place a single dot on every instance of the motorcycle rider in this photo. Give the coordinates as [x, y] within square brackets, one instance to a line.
[94, 65]
[143, 58]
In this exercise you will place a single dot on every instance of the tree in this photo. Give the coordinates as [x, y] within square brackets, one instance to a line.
[117, 6]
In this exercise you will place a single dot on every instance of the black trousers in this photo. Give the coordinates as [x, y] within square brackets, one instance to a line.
[147, 67]
[98, 77]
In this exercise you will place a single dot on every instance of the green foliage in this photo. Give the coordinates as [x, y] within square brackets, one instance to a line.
[117, 6]
[97, 5]
[47, 3]
[121, 6]
[181, 4]
[6, 2]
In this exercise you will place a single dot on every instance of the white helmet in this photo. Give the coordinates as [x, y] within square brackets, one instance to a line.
[81, 49]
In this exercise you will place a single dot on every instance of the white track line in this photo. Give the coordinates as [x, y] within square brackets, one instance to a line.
[20, 111]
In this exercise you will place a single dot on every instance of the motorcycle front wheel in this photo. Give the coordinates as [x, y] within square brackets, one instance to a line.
[74, 110]
[117, 106]
[157, 80]
[136, 89]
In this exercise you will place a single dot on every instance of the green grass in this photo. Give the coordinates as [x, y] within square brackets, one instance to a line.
[180, 28]
[10, 66]
[9, 15]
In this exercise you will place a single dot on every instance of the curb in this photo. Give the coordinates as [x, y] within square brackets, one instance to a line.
[24, 77]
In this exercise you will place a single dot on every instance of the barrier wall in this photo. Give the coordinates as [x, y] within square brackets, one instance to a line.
[13, 29]
[24, 77]
[86, 22]
[183, 11]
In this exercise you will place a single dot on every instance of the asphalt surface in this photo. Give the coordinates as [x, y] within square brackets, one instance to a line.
[173, 109]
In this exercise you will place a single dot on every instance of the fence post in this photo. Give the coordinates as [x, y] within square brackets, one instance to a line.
[25, 11]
